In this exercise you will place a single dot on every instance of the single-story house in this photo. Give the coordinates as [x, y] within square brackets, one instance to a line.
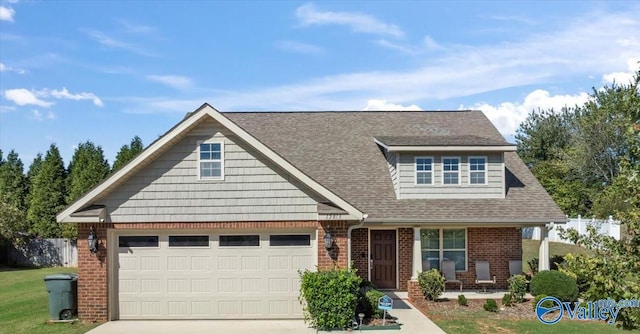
[215, 218]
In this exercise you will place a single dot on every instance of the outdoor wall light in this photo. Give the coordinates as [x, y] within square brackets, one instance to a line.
[328, 241]
[92, 240]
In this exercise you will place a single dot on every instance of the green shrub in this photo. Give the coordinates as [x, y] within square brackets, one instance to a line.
[329, 297]
[431, 283]
[537, 298]
[490, 306]
[517, 288]
[507, 300]
[372, 297]
[556, 284]
[533, 265]
[462, 300]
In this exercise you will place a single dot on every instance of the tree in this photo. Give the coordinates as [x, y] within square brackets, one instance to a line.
[128, 152]
[87, 168]
[13, 183]
[48, 192]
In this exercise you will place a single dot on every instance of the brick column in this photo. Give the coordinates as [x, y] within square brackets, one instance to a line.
[92, 275]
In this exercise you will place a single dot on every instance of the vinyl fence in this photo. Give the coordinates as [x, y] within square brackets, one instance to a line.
[608, 227]
[45, 253]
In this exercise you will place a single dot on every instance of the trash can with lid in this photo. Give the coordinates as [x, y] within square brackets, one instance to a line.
[63, 289]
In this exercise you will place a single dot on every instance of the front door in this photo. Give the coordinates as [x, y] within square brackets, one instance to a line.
[383, 258]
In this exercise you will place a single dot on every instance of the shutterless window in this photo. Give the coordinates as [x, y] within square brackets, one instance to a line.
[138, 241]
[477, 170]
[290, 240]
[188, 241]
[439, 245]
[211, 160]
[450, 170]
[239, 240]
[424, 170]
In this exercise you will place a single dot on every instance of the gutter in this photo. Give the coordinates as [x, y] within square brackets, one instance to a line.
[351, 228]
[502, 222]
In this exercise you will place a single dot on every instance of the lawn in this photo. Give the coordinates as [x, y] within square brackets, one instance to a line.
[530, 250]
[24, 302]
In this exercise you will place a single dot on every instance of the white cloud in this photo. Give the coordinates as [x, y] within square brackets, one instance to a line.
[111, 42]
[507, 116]
[136, 28]
[39, 116]
[298, 47]
[5, 68]
[4, 108]
[24, 97]
[309, 15]
[6, 13]
[175, 81]
[395, 46]
[64, 94]
[431, 44]
[375, 104]
[2, 67]
[633, 64]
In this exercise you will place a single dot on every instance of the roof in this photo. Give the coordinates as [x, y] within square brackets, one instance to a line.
[335, 154]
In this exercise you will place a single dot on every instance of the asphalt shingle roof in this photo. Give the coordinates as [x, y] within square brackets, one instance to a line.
[337, 149]
[453, 140]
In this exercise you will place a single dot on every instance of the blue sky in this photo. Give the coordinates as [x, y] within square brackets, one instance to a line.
[105, 71]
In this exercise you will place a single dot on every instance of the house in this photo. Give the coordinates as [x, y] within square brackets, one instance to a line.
[214, 219]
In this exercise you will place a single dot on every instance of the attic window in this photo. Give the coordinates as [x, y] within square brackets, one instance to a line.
[424, 170]
[451, 170]
[211, 161]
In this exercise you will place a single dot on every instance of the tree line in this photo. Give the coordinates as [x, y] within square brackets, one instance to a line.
[29, 202]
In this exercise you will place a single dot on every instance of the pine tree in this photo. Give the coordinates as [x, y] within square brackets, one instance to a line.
[13, 182]
[48, 191]
[128, 152]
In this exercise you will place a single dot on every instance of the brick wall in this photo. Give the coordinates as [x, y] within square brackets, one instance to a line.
[360, 251]
[337, 255]
[405, 256]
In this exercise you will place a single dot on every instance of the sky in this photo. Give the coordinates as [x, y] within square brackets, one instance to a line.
[106, 71]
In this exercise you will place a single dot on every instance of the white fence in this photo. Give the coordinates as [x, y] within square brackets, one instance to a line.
[45, 253]
[608, 227]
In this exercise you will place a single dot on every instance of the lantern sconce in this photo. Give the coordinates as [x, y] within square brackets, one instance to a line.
[328, 240]
[92, 240]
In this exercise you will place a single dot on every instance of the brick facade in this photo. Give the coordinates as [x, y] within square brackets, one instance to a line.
[92, 275]
[360, 251]
[405, 256]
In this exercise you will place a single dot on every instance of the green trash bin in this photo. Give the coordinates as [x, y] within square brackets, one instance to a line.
[63, 289]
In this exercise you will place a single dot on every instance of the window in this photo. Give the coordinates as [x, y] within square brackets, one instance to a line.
[239, 240]
[443, 245]
[138, 241]
[211, 160]
[477, 170]
[424, 170]
[450, 170]
[188, 241]
[289, 240]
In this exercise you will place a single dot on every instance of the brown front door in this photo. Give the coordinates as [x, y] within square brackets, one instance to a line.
[383, 258]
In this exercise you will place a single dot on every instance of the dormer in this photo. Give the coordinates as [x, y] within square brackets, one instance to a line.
[434, 167]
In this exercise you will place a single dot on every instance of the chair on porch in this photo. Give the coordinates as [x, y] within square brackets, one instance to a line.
[515, 267]
[483, 276]
[449, 272]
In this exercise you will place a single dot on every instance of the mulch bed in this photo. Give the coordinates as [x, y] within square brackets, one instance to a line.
[449, 309]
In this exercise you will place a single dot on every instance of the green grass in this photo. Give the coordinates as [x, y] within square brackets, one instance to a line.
[530, 250]
[483, 325]
[24, 303]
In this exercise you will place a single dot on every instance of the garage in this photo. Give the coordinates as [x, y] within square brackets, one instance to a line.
[205, 275]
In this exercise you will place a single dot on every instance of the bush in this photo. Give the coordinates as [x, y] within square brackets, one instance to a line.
[462, 300]
[556, 284]
[517, 288]
[537, 298]
[329, 297]
[507, 300]
[556, 262]
[372, 297]
[533, 265]
[490, 306]
[431, 283]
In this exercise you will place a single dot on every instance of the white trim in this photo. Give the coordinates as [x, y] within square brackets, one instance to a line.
[415, 170]
[441, 244]
[503, 173]
[222, 164]
[450, 148]
[172, 136]
[459, 170]
[486, 169]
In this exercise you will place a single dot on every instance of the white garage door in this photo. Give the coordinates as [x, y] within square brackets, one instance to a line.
[187, 275]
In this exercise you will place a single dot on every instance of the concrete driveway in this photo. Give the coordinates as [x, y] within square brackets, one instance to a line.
[410, 319]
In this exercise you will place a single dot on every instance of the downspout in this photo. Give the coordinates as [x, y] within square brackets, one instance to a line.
[351, 228]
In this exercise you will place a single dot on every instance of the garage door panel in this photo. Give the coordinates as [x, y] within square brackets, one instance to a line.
[229, 282]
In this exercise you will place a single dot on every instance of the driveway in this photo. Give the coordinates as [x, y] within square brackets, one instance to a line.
[411, 320]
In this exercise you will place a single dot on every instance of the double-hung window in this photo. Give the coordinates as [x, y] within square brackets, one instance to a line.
[211, 161]
[477, 170]
[450, 170]
[424, 170]
[439, 245]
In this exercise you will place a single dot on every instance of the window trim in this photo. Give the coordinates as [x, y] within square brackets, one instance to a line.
[260, 241]
[458, 171]
[485, 171]
[139, 235]
[415, 170]
[199, 161]
[169, 236]
[290, 246]
[441, 249]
